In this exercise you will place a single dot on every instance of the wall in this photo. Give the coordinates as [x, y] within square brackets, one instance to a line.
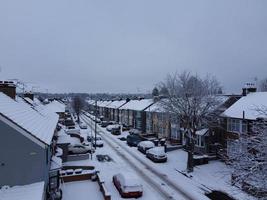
[21, 160]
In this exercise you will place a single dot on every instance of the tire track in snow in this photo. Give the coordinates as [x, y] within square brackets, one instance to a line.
[146, 166]
[145, 177]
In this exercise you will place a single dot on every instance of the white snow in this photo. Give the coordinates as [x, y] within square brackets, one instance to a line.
[138, 105]
[33, 191]
[249, 105]
[202, 132]
[146, 144]
[56, 163]
[23, 115]
[116, 104]
[157, 151]
[55, 107]
[82, 190]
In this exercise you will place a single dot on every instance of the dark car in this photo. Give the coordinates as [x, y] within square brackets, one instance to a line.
[104, 124]
[133, 140]
[125, 127]
[116, 130]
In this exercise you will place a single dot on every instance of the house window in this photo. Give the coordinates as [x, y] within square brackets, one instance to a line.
[237, 125]
[175, 133]
[234, 125]
[200, 141]
[244, 127]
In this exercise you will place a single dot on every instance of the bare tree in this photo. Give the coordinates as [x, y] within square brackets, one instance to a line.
[77, 105]
[155, 92]
[263, 85]
[248, 157]
[191, 99]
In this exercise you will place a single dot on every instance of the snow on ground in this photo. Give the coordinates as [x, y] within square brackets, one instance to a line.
[107, 170]
[213, 176]
[155, 179]
[82, 190]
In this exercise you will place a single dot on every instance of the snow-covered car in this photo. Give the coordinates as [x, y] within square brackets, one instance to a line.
[97, 120]
[145, 145]
[128, 185]
[98, 142]
[83, 125]
[116, 130]
[113, 126]
[79, 149]
[134, 131]
[72, 130]
[157, 154]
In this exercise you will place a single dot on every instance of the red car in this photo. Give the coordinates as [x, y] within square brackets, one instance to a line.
[128, 185]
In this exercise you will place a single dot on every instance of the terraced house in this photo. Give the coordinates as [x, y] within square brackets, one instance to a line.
[27, 148]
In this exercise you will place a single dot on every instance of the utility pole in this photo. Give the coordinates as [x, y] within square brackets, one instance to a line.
[95, 120]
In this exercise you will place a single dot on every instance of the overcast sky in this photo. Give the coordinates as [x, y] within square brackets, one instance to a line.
[130, 45]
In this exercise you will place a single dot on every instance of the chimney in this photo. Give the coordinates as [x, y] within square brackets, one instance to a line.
[30, 95]
[8, 88]
[249, 88]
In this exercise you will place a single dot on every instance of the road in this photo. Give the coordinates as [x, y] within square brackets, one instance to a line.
[164, 187]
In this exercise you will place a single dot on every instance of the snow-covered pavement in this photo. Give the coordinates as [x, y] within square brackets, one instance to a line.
[157, 179]
[108, 169]
[81, 190]
[213, 176]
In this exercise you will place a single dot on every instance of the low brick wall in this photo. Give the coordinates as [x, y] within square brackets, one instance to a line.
[103, 189]
[76, 177]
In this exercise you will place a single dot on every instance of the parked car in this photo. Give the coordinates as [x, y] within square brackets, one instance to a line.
[128, 185]
[133, 139]
[125, 127]
[72, 129]
[134, 131]
[69, 122]
[110, 127]
[79, 149]
[83, 125]
[157, 154]
[104, 124]
[98, 142]
[116, 130]
[97, 120]
[145, 145]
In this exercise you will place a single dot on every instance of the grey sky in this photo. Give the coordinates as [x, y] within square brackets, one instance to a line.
[129, 46]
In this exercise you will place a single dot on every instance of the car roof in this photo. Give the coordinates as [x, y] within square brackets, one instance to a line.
[147, 144]
[129, 179]
[157, 150]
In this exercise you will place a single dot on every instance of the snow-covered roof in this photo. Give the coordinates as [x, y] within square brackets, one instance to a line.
[22, 114]
[56, 163]
[156, 107]
[90, 102]
[33, 191]
[116, 104]
[56, 107]
[249, 105]
[106, 103]
[138, 105]
[202, 132]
